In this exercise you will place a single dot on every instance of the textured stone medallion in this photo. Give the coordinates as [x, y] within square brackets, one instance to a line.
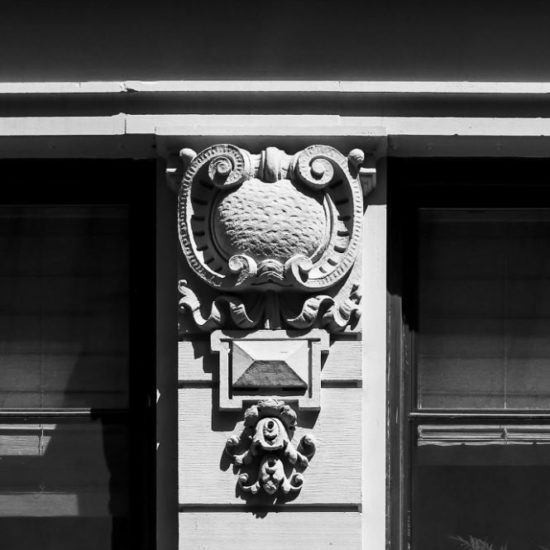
[270, 221]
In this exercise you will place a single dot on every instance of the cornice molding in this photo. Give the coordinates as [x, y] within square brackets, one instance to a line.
[336, 98]
[150, 136]
[277, 86]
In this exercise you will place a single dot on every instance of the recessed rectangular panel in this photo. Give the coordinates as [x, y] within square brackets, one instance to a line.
[270, 364]
[279, 364]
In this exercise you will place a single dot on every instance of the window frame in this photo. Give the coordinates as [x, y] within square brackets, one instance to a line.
[413, 184]
[82, 182]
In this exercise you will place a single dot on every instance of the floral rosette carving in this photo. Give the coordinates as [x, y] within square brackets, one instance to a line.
[266, 447]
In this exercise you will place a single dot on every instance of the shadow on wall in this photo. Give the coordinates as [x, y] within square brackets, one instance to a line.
[288, 39]
[65, 480]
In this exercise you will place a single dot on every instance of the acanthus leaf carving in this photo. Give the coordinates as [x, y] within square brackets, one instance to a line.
[335, 316]
[217, 318]
[266, 448]
[269, 310]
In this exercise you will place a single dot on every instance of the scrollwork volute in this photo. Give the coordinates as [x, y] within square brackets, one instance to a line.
[271, 223]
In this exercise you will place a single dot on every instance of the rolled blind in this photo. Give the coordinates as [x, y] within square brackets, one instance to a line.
[63, 306]
[64, 346]
[484, 309]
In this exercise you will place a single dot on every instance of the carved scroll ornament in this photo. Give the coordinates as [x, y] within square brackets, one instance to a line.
[266, 448]
[271, 223]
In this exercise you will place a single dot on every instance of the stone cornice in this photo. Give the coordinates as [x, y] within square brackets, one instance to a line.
[149, 136]
[279, 86]
[146, 119]
[344, 98]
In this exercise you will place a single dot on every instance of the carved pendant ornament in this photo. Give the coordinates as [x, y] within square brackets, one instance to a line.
[273, 233]
[265, 447]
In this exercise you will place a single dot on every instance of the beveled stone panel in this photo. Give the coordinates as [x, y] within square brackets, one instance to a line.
[283, 364]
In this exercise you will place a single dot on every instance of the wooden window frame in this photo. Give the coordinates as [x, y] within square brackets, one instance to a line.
[437, 183]
[87, 181]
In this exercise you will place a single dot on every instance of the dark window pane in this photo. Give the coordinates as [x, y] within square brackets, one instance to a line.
[60, 533]
[63, 306]
[494, 493]
[484, 309]
[68, 468]
[64, 331]
[64, 485]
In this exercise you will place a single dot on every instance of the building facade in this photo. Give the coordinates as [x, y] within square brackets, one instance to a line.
[294, 294]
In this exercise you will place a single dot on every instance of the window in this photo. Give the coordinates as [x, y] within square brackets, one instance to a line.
[76, 354]
[471, 362]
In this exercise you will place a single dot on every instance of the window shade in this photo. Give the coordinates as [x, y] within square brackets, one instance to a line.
[63, 307]
[484, 309]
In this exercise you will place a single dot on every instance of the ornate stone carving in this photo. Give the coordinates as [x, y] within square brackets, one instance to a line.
[272, 225]
[273, 311]
[265, 448]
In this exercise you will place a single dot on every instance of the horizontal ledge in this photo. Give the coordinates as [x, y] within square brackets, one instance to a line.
[310, 126]
[332, 383]
[501, 434]
[112, 102]
[506, 415]
[60, 413]
[289, 507]
[276, 86]
[335, 125]
[150, 136]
